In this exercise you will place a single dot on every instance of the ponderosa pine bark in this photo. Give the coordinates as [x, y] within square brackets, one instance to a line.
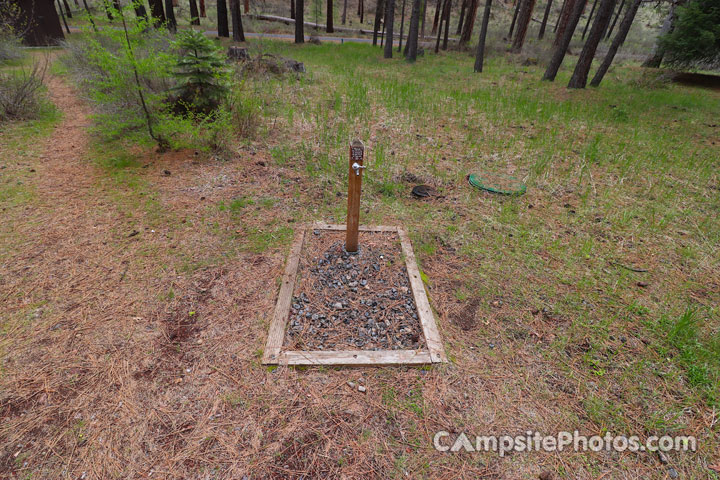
[202, 9]
[344, 14]
[523, 22]
[438, 9]
[617, 15]
[447, 24]
[619, 39]
[480, 55]
[582, 68]
[300, 21]
[592, 12]
[402, 26]
[668, 26]
[194, 15]
[170, 15]
[329, 27]
[423, 10]
[389, 24]
[157, 12]
[292, 9]
[543, 25]
[517, 4]
[412, 41]
[463, 7]
[237, 26]
[379, 8]
[222, 14]
[562, 24]
[469, 23]
[562, 9]
[560, 50]
[68, 12]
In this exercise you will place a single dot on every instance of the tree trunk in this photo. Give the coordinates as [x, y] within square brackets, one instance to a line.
[292, 9]
[90, 17]
[562, 9]
[329, 28]
[424, 16]
[438, 9]
[389, 25]
[43, 24]
[170, 14]
[523, 22]
[612, 27]
[238, 31]
[344, 14]
[157, 12]
[108, 11]
[582, 68]
[202, 9]
[194, 16]
[518, 3]
[619, 39]
[562, 23]
[68, 12]
[463, 7]
[378, 18]
[402, 26]
[62, 15]
[140, 11]
[543, 25]
[447, 24]
[668, 25]
[246, 8]
[440, 25]
[469, 23]
[412, 41]
[300, 21]
[559, 52]
[592, 12]
[222, 17]
[480, 55]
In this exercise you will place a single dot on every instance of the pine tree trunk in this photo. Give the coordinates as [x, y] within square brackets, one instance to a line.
[438, 9]
[43, 23]
[157, 11]
[194, 16]
[67, 9]
[344, 14]
[582, 68]
[564, 20]
[480, 55]
[411, 47]
[329, 27]
[108, 11]
[292, 9]
[424, 16]
[463, 7]
[592, 12]
[62, 16]
[440, 25]
[246, 8]
[523, 22]
[300, 21]
[140, 11]
[202, 9]
[378, 18]
[619, 39]
[559, 52]
[447, 24]
[238, 31]
[543, 25]
[612, 27]
[222, 14]
[362, 11]
[389, 24]
[518, 3]
[469, 23]
[562, 9]
[668, 25]
[170, 14]
[402, 26]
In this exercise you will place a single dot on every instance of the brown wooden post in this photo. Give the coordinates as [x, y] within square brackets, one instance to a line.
[357, 152]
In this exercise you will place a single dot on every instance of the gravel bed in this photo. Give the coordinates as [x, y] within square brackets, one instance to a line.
[357, 301]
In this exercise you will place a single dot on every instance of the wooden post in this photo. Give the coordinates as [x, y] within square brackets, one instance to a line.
[357, 152]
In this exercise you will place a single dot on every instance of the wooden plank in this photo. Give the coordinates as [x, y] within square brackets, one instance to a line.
[427, 318]
[357, 152]
[341, 228]
[356, 357]
[282, 307]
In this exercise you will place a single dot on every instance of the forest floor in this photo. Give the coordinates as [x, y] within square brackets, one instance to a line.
[137, 287]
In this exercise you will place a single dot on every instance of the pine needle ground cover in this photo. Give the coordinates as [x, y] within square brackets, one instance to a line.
[137, 286]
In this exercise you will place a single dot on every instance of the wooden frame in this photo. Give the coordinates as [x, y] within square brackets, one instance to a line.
[274, 355]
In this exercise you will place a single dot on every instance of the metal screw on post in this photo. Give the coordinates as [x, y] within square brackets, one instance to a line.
[357, 153]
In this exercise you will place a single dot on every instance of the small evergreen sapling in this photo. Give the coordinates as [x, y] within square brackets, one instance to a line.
[202, 72]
